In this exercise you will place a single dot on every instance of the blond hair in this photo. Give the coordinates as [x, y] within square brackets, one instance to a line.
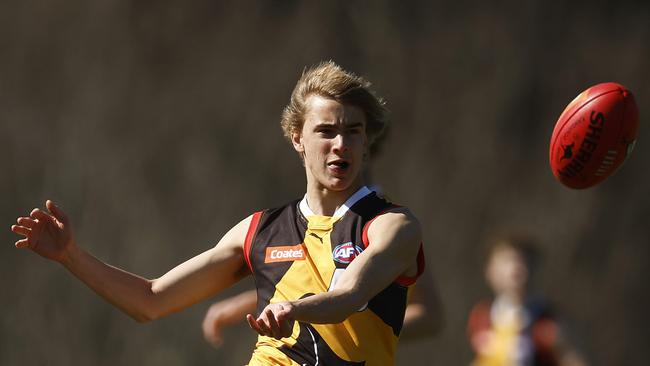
[329, 80]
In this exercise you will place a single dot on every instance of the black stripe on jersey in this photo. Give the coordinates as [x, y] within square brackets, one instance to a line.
[277, 227]
[311, 349]
[370, 206]
[390, 305]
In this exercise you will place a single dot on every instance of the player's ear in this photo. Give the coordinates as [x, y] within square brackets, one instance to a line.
[296, 140]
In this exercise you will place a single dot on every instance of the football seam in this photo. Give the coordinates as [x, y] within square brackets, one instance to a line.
[559, 128]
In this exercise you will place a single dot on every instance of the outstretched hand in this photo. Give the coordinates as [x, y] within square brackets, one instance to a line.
[47, 233]
[274, 321]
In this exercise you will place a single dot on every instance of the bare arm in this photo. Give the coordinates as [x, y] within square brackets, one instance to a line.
[50, 235]
[395, 239]
[423, 316]
[227, 312]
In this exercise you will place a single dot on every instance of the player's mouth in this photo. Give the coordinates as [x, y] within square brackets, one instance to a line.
[338, 166]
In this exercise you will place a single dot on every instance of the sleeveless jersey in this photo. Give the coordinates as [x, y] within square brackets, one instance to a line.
[529, 339]
[293, 254]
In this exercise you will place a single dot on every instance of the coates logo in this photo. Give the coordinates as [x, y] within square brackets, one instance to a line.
[285, 254]
[346, 252]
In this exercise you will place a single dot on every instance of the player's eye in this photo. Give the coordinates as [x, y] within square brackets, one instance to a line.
[326, 132]
[355, 129]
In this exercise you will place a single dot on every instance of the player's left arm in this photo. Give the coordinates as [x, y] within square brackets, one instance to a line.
[395, 238]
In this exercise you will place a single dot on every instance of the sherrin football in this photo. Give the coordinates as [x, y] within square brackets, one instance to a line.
[594, 135]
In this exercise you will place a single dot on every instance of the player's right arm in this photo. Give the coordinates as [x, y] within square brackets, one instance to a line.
[50, 235]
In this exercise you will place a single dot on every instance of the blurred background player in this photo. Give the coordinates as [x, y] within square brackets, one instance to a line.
[515, 328]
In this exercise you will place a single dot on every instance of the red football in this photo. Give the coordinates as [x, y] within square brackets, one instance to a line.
[594, 135]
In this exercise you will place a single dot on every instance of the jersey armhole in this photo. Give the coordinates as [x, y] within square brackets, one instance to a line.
[409, 280]
[401, 280]
[364, 233]
[250, 235]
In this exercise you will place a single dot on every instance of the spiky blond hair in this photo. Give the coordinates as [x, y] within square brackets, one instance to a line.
[329, 80]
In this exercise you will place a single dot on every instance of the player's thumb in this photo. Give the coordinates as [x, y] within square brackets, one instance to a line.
[56, 212]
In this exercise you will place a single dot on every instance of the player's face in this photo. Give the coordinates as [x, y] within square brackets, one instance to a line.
[333, 142]
[507, 271]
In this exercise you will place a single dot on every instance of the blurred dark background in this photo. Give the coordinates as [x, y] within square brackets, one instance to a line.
[155, 124]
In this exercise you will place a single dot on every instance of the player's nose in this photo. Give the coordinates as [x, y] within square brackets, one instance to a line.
[340, 143]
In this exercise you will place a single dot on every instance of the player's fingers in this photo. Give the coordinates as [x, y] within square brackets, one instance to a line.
[274, 327]
[56, 211]
[27, 222]
[266, 330]
[285, 322]
[253, 323]
[286, 328]
[257, 325]
[21, 230]
[40, 215]
[22, 243]
[262, 323]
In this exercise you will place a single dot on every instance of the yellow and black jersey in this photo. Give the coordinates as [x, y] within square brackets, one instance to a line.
[293, 253]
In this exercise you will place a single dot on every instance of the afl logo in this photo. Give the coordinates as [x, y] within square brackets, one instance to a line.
[346, 252]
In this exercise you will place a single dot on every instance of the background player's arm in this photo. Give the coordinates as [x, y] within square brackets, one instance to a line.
[395, 239]
[423, 317]
[225, 313]
[50, 235]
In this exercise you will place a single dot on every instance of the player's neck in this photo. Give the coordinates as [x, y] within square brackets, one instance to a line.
[512, 297]
[323, 201]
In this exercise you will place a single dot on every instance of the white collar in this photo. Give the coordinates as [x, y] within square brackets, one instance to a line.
[362, 192]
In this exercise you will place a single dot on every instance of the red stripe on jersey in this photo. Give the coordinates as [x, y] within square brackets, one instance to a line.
[402, 280]
[249, 238]
[406, 280]
[364, 235]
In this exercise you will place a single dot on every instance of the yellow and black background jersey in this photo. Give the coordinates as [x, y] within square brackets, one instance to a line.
[294, 253]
